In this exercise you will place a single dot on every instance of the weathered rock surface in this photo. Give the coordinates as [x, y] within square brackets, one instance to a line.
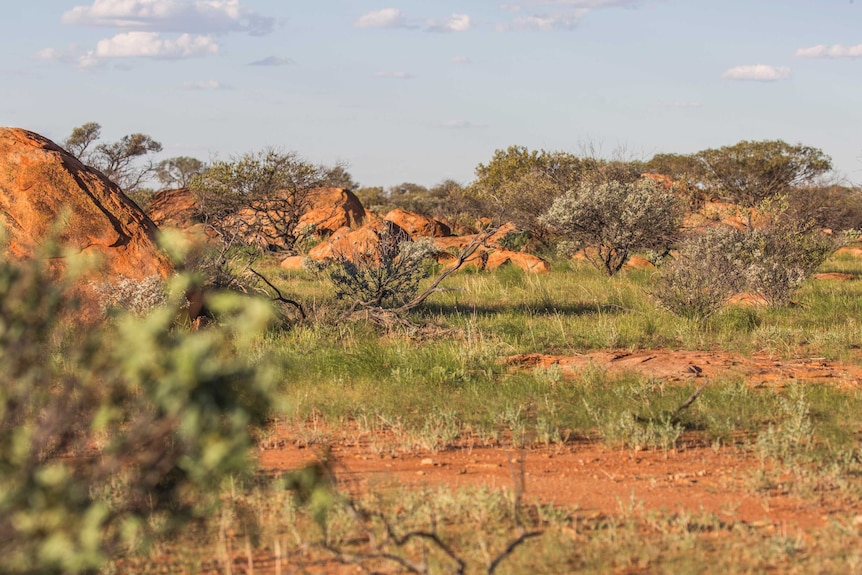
[525, 261]
[40, 183]
[175, 208]
[331, 209]
[352, 244]
[418, 225]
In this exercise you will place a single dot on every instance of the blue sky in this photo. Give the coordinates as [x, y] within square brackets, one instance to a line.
[404, 90]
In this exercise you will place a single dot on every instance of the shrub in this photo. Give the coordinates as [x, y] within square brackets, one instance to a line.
[109, 436]
[386, 274]
[139, 297]
[772, 261]
[781, 256]
[258, 198]
[697, 283]
[615, 218]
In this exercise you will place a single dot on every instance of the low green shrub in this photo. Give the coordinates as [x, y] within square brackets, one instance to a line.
[109, 436]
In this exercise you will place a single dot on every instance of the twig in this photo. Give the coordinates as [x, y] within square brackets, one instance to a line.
[279, 297]
[465, 254]
[691, 399]
[510, 548]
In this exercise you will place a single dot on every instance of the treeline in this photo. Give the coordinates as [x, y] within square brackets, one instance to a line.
[517, 184]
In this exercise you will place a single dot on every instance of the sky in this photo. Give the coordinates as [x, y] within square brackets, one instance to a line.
[421, 91]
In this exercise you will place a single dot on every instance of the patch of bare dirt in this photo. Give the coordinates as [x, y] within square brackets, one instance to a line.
[591, 479]
[757, 369]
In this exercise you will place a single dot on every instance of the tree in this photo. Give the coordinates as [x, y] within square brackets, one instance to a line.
[373, 198]
[178, 172]
[258, 198]
[337, 176]
[521, 184]
[614, 218]
[749, 172]
[119, 161]
[685, 167]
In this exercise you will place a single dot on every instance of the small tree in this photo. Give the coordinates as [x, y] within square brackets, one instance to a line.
[771, 261]
[338, 176]
[749, 172]
[178, 172]
[522, 183]
[612, 219]
[707, 271]
[120, 161]
[259, 197]
[781, 256]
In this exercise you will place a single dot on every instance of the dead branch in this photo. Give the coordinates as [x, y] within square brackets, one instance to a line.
[279, 297]
[510, 549]
[470, 249]
[691, 399]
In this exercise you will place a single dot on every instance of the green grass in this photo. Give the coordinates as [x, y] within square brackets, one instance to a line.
[354, 372]
[450, 388]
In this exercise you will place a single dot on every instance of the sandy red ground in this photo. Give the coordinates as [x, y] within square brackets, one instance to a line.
[595, 479]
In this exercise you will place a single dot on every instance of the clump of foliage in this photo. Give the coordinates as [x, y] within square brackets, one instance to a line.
[612, 219]
[772, 261]
[119, 160]
[259, 198]
[747, 172]
[707, 271]
[138, 297]
[383, 275]
[781, 256]
[520, 184]
[178, 172]
[110, 436]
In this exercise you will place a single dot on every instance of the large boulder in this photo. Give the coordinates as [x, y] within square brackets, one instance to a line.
[331, 209]
[41, 183]
[418, 225]
[355, 244]
[175, 209]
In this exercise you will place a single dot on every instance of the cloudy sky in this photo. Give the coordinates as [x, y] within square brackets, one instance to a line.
[409, 90]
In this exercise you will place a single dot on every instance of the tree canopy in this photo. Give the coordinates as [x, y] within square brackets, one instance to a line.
[125, 162]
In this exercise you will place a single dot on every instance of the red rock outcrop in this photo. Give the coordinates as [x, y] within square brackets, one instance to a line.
[418, 225]
[41, 183]
[524, 261]
[354, 243]
[175, 208]
[331, 209]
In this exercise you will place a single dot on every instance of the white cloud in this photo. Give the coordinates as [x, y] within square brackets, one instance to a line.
[546, 22]
[461, 59]
[190, 16]
[153, 45]
[454, 23]
[557, 14]
[49, 54]
[757, 73]
[834, 51]
[204, 85]
[386, 18]
[395, 75]
[273, 61]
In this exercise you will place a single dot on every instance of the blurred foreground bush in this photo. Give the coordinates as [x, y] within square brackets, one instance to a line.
[109, 436]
